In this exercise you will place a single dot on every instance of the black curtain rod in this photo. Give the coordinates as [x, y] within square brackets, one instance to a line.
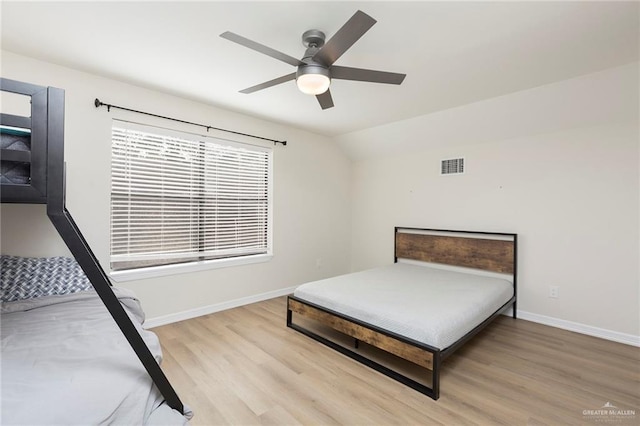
[98, 104]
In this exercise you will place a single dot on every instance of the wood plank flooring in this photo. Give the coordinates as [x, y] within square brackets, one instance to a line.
[243, 366]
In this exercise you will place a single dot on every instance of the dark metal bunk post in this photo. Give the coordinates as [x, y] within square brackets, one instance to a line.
[47, 186]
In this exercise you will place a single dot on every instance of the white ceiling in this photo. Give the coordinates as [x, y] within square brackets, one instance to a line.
[453, 53]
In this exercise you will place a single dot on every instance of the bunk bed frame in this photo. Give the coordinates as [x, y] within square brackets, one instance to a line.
[45, 163]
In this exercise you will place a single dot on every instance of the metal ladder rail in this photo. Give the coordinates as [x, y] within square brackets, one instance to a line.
[70, 233]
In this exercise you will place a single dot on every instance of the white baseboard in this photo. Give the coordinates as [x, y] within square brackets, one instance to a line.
[206, 310]
[615, 336]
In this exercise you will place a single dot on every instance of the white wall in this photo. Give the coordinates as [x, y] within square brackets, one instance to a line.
[311, 192]
[557, 164]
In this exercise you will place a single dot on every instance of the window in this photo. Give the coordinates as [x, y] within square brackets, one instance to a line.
[179, 198]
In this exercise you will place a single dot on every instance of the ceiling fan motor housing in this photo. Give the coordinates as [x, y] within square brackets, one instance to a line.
[312, 69]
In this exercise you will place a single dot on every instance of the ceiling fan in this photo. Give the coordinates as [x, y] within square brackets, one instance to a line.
[316, 68]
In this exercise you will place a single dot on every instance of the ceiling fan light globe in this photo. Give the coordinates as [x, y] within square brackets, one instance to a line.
[313, 84]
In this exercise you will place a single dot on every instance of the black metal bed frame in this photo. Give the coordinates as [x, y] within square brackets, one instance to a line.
[47, 186]
[439, 355]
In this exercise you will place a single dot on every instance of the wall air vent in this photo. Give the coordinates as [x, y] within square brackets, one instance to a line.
[454, 166]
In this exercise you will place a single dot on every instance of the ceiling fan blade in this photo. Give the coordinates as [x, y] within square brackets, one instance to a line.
[346, 36]
[270, 83]
[261, 48]
[359, 74]
[325, 99]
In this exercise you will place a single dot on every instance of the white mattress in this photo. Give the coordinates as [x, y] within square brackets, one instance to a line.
[65, 362]
[431, 305]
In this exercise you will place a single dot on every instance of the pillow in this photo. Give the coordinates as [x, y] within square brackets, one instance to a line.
[29, 277]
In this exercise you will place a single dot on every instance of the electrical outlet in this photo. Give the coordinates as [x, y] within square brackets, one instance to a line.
[553, 291]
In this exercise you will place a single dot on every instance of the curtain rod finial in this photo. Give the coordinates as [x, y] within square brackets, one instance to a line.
[97, 103]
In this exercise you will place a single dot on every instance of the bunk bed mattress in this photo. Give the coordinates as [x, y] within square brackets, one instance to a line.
[12, 172]
[431, 305]
[64, 361]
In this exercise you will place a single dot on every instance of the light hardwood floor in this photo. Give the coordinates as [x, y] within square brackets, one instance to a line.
[245, 367]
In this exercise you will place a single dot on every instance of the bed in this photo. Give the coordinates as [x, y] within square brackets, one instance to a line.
[32, 171]
[442, 289]
[64, 360]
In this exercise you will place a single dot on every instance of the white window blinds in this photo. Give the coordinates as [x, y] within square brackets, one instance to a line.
[181, 198]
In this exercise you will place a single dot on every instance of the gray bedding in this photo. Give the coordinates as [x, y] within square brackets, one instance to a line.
[64, 361]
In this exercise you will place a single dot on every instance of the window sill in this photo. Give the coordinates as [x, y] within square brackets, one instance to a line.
[165, 270]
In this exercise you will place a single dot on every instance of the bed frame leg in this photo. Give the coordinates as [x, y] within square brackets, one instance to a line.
[289, 314]
[515, 312]
[435, 377]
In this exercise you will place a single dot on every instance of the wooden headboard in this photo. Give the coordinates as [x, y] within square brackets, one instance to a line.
[495, 252]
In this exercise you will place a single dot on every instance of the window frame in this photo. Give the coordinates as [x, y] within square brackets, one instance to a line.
[196, 264]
